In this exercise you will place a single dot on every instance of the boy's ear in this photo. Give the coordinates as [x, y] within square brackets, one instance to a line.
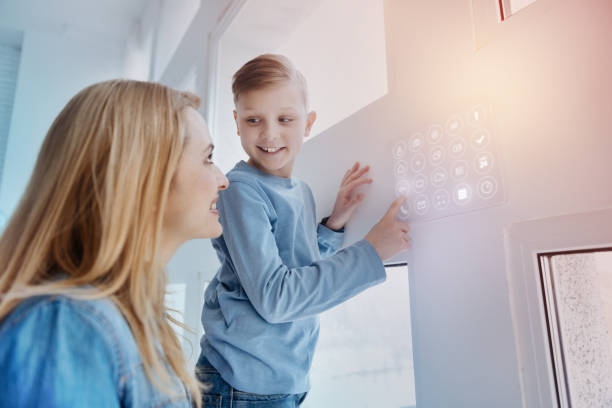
[310, 120]
[236, 120]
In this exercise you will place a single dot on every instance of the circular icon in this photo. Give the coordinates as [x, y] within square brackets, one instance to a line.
[487, 187]
[421, 204]
[417, 163]
[439, 177]
[483, 162]
[435, 134]
[401, 168]
[462, 194]
[420, 183]
[436, 155]
[480, 139]
[441, 199]
[416, 142]
[399, 150]
[459, 170]
[456, 148]
[477, 116]
[402, 188]
[454, 124]
[405, 210]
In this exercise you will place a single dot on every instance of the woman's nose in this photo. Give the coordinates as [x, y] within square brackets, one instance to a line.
[222, 180]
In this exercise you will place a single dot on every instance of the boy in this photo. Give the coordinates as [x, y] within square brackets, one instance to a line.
[279, 269]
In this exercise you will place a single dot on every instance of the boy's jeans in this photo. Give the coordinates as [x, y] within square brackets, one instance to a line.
[222, 395]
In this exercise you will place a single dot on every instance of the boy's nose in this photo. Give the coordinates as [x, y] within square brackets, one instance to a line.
[268, 132]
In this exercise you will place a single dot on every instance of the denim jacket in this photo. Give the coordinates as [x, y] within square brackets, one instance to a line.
[56, 351]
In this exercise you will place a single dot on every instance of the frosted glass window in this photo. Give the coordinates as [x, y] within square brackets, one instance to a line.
[578, 290]
[364, 356]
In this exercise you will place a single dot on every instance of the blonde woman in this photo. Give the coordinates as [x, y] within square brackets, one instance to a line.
[124, 177]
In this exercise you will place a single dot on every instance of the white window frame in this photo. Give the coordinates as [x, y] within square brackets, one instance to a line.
[526, 243]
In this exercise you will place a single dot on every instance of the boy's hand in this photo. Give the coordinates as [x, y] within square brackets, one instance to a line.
[390, 236]
[347, 199]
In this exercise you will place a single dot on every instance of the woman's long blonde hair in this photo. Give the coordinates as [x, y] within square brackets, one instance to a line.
[92, 214]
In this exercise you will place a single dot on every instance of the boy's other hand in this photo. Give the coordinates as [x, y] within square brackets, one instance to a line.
[390, 236]
[348, 199]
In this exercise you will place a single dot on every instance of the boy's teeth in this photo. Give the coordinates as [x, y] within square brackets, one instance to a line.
[271, 149]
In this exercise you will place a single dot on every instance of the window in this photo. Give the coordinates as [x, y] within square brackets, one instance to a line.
[577, 289]
[9, 66]
[364, 356]
[559, 282]
[508, 8]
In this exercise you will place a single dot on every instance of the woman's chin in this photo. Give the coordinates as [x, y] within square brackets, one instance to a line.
[217, 231]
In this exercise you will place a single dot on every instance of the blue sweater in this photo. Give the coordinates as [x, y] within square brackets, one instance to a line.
[279, 269]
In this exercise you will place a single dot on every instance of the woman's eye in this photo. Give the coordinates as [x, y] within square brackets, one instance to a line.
[209, 159]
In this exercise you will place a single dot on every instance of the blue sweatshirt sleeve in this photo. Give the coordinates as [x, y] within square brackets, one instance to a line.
[329, 240]
[53, 356]
[277, 292]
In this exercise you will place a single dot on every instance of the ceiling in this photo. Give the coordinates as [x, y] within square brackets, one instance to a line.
[111, 19]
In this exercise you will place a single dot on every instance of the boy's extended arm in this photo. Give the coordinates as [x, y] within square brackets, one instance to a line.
[279, 293]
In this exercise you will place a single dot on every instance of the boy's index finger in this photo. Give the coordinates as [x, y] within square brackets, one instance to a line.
[395, 206]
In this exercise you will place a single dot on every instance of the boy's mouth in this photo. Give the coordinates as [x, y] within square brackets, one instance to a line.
[270, 150]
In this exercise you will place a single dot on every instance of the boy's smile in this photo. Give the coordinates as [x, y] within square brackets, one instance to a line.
[272, 123]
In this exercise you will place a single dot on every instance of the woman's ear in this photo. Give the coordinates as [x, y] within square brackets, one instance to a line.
[310, 120]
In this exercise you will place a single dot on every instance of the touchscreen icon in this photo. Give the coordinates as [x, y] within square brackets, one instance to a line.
[402, 188]
[405, 210]
[401, 168]
[454, 124]
[421, 204]
[417, 163]
[436, 155]
[480, 139]
[399, 150]
[462, 194]
[487, 187]
[457, 148]
[438, 177]
[441, 199]
[435, 133]
[483, 162]
[416, 142]
[459, 170]
[420, 182]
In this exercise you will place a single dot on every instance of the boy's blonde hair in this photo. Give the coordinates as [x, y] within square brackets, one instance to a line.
[92, 214]
[267, 70]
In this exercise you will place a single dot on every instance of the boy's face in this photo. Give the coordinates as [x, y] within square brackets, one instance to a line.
[272, 123]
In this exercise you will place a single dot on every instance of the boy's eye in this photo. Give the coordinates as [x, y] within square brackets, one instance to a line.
[284, 119]
[253, 120]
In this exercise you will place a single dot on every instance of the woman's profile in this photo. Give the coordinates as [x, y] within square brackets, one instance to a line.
[123, 178]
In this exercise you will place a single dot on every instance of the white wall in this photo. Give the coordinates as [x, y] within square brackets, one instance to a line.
[141, 44]
[174, 19]
[55, 65]
[549, 81]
